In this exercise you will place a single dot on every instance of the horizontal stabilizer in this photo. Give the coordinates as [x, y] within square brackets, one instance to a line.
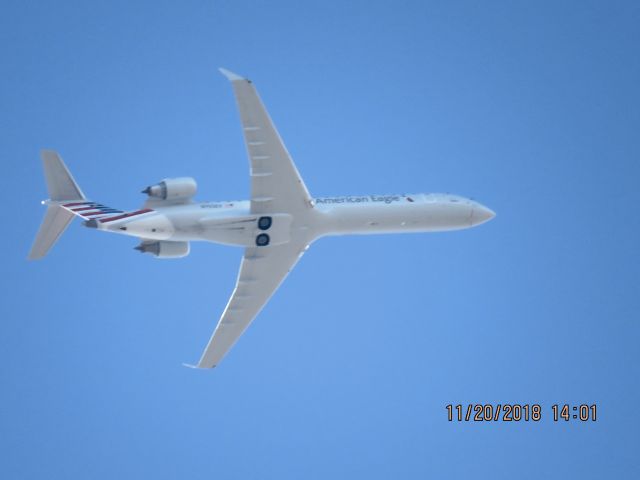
[60, 183]
[55, 222]
[62, 188]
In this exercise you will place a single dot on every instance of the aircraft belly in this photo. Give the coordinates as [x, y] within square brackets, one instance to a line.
[243, 230]
[416, 216]
[155, 227]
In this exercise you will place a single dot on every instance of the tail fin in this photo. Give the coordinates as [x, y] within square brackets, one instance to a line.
[62, 188]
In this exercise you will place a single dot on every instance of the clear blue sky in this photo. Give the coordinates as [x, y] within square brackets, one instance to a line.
[532, 108]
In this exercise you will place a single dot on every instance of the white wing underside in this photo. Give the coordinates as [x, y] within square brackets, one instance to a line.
[276, 187]
[261, 273]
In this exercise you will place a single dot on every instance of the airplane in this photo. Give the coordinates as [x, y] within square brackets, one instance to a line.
[275, 227]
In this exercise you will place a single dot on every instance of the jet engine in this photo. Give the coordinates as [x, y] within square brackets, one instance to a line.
[173, 189]
[164, 249]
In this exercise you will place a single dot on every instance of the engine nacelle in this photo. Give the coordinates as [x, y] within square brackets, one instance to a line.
[164, 249]
[173, 189]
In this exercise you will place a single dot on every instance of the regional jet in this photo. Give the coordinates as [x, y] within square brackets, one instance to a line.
[275, 226]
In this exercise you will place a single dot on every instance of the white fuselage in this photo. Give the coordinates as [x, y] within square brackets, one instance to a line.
[232, 223]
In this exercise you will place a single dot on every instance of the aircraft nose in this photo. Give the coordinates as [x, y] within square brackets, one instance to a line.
[481, 214]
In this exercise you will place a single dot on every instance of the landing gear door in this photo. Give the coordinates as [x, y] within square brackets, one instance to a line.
[273, 229]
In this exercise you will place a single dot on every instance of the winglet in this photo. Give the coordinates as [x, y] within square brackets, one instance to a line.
[195, 367]
[232, 77]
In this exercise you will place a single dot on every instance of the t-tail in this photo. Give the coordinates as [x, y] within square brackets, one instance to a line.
[66, 200]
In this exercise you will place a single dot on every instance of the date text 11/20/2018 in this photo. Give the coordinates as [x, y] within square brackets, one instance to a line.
[515, 412]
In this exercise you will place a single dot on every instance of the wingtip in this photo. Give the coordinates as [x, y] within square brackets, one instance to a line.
[195, 367]
[48, 154]
[232, 77]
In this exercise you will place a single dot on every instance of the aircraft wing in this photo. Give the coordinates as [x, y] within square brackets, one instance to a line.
[262, 271]
[276, 185]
